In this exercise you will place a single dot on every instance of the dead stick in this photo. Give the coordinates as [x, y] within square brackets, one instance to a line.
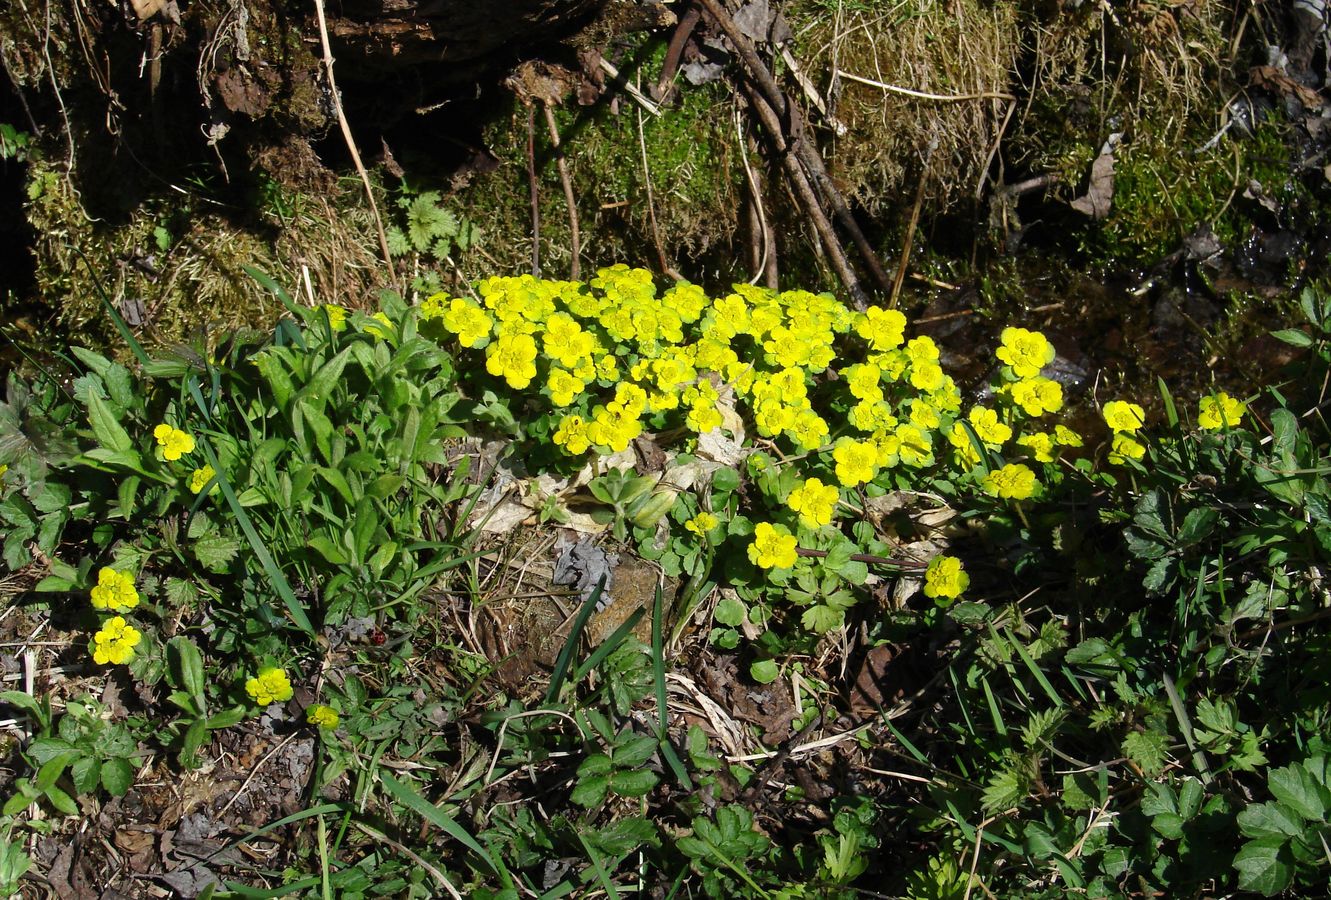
[346, 134]
[675, 50]
[808, 154]
[535, 196]
[575, 271]
[910, 228]
[651, 207]
[868, 558]
[769, 767]
[799, 182]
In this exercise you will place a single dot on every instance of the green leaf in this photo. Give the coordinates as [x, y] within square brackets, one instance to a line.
[731, 611]
[725, 481]
[764, 671]
[328, 549]
[125, 494]
[1270, 820]
[1198, 524]
[105, 427]
[1265, 866]
[635, 783]
[590, 791]
[635, 752]
[1285, 430]
[1293, 336]
[189, 666]
[1148, 749]
[215, 552]
[1296, 788]
[435, 816]
[596, 764]
[821, 619]
[86, 774]
[117, 776]
[61, 801]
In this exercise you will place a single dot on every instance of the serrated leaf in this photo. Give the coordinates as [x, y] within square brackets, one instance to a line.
[117, 776]
[635, 752]
[590, 791]
[1265, 866]
[215, 552]
[623, 836]
[1197, 525]
[1297, 789]
[635, 783]
[596, 764]
[1148, 749]
[1003, 791]
[181, 593]
[86, 774]
[105, 427]
[1264, 820]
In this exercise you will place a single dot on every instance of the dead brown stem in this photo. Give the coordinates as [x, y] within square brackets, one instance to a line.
[575, 270]
[909, 237]
[535, 194]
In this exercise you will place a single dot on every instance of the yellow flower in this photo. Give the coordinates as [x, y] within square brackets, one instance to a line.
[1037, 396]
[815, 502]
[773, 547]
[884, 329]
[809, 430]
[199, 479]
[964, 446]
[174, 442]
[337, 316]
[1012, 482]
[1027, 352]
[114, 590]
[1066, 437]
[914, 446]
[856, 461]
[271, 685]
[1124, 448]
[513, 358]
[862, 380]
[1220, 411]
[384, 327]
[3, 470]
[1122, 416]
[926, 376]
[702, 418]
[1040, 444]
[465, 319]
[115, 642]
[571, 435]
[988, 428]
[945, 579]
[702, 523]
[564, 387]
[322, 716]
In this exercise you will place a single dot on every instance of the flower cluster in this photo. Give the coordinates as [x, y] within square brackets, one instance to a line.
[174, 442]
[270, 685]
[114, 591]
[115, 641]
[1124, 420]
[851, 393]
[322, 716]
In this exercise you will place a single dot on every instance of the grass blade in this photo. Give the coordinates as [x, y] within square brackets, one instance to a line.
[275, 574]
[574, 635]
[608, 645]
[435, 816]
[658, 674]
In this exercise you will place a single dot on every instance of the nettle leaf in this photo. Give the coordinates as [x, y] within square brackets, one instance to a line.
[635, 752]
[1159, 576]
[1296, 788]
[624, 836]
[1265, 866]
[590, 791]
[1198, 525]
[215, 552]
[1004, 791]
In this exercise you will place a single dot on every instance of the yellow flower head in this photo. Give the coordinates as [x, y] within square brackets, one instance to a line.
[702, 523]
[199, 479]
[914, 446]
[926, 376]
[383, 328]
[961, 442]
[815, 502]
[115, 642]
[1027, 352]
[884, 329]
[513, 358]
[1066, 437]
[174, 442]
[773, 547]
[1037, 396]
[1122, 416]
[464, 318]
[1124, 448]
[564, 387]
[571, 436]
[856, 461]
[945, 579]
[1040, 444]
[271, 685]
[1220, 411]
[337, 316]
[114, 590]
[1012, 482]
[985, 422]
[3, 470]
[322, 716]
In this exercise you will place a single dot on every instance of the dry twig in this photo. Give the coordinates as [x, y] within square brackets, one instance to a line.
[575, 270]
